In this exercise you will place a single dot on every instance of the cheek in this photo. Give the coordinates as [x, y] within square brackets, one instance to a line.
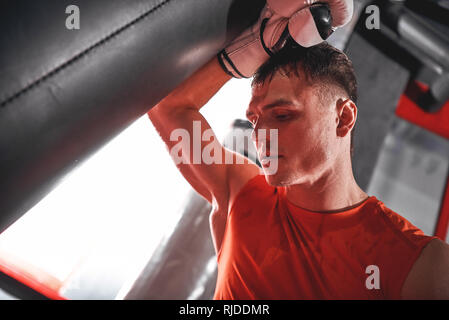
[325, 142]
[307, 137]
[312, 145]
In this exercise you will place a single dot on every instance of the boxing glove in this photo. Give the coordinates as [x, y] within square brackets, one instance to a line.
[341, 10]
[311, 22]
[306, 21]
[253, 47]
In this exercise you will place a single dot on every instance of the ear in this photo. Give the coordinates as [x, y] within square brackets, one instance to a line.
[346, 116]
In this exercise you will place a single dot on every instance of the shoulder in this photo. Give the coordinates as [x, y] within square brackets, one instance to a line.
[401, 227]
[429, 276]
[404, 249]
[240, 179]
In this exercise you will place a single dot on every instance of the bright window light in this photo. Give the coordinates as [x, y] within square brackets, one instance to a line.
[94, 233]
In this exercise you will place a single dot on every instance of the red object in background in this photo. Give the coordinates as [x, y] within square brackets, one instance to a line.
[30, 276]
[436, 122]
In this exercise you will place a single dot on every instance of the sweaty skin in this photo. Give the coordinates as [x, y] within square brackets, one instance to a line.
[313, 142]
[315, 164]
[314, 157]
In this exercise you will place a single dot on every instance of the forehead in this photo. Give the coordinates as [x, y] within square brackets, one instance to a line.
[280, 87]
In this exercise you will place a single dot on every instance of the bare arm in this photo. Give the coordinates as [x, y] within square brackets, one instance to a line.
[429, 276]
[178, 111]
[218, 183]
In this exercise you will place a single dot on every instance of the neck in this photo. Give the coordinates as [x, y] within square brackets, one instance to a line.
[334, 189]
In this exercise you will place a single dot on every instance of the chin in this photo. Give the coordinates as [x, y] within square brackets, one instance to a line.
[277, 179]
[286, 177]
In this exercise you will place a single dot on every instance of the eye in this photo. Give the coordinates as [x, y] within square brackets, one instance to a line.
[282, 117]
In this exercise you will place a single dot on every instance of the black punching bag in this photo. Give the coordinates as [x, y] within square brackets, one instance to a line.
[65, 92]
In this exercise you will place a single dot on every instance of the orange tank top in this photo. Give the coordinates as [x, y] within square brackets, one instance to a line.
[273, 249]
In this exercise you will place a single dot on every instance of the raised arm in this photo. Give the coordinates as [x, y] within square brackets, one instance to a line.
[179, 113]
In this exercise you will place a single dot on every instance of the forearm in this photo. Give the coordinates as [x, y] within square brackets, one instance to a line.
[179, 111]
[196, 90]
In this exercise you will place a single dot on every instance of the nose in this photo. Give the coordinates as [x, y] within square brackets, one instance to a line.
[261, 138]
[259, 129]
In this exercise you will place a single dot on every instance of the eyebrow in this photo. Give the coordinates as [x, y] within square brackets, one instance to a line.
[277, 103]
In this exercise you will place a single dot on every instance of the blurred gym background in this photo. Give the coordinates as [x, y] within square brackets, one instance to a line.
[124, 224]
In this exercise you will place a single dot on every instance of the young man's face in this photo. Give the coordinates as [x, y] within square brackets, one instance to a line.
[306, 124]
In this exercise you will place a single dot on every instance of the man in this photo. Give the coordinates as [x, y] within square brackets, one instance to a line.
[305, 230]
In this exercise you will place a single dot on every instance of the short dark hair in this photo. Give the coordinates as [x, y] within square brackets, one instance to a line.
[321, 63]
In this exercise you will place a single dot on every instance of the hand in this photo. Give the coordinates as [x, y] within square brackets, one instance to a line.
[253, 47]
[306, 21]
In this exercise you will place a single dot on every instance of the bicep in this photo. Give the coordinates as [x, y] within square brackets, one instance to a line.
[211, 169]
[429, 276]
